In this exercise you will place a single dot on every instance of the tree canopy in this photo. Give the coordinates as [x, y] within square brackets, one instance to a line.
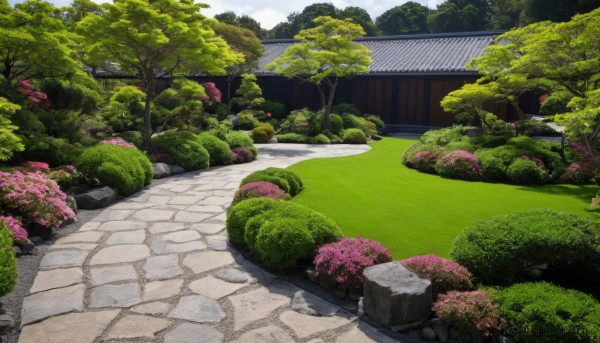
[408, 18]
[244, 21]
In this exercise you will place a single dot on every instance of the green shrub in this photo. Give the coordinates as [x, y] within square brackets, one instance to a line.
[506, 249]
[247, 121]
[281, 242]
[412, 150]
[237, 139]
[291, 138]
[185, 149]
[288, 181]
[425, 161]
[444, 136]
[123, 168]
[375, 120]
[218, 151]
[336, 123]
[544, 313]
[492, 168]
[459, 164]
[352, 121]
[8, 264]
[319, 139]
[489, 141]
[306, 122]
[343, 108]
[556, 103]
[134, 137]
[240, 214]
[524, 171]
[263, 133]
[54, 151]
[276, 109]
[459, 145]
[354, 136]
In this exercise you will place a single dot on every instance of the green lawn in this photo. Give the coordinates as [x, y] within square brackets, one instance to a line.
[374, 196]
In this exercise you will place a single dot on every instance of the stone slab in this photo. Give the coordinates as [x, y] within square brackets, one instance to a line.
[56, 278]
[310, 304]
[269, 334]
[192, 217]
[124, 295]
[206, 209]
[183, 199]
[214, 288]
[162, 267]
[198, 308]
[162, 289]
[101, 276]
[217, 242]
[89, 226]
[51, 303]
[208, 228]
[304, 325]
[136, 326]
[110, 215]
[154, 308]
[121, 225]
[190, 333]
[255, 305]
[181, 236]
[159, 246]
[209, 260]
[127, 237]
[120, 253]
[166, 227]
[153, 215]
[73, 328]
[233, 276]
[63, 259]
[73, 246]
[81, 237]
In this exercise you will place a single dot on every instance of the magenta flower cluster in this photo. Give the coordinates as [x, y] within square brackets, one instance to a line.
[459, 164]
[425, 161]
[36, 165]
[445, 275]
[117, 141]
[34, 198]
[471, 313]
[579, 173]
[257, 190]
[213, 94]
[538, 162]
[38, 98]
[241, 155]
[19, 234]
[345, 261]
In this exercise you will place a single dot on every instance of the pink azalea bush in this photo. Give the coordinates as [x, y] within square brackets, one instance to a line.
[34, 198]
[241, 155]
[257, 190]
[459, 164]
[38, 98]
[36, 165]
[579, 173]
[425, 161]
[19, 234]
[345, 261]
[471, 313]
[117, 141]
[445, 275]
[213, 94]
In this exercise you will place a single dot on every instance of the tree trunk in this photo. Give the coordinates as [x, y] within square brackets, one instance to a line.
[326, 114]
[518, 109]
[149, 85]
[324, 107]
[229, 100]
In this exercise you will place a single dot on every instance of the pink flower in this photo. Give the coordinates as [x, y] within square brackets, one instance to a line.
[36, 165]
[543, 98]
[459, 164]
[257, 190]
[445, 275]
[268, 114]
[212, 92]
[539, 163]
[19, 234]
[117, 141]
[241, 155]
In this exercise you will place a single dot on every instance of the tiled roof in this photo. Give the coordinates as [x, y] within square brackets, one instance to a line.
[410, 54]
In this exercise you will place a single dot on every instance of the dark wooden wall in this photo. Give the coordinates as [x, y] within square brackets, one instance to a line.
[396, 99]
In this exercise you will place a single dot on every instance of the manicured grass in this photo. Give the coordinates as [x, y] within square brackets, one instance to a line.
[374, 196]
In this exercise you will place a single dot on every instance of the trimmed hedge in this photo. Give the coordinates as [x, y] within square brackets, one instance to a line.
[354, 136]
[8, 264]
[123, 168]
[544, 313]
[239, 215]
[185, 149]
[288, 181]
[524, 171]
[236, 139]
[281, 242]
[218, 151]
[506, 249]
[263, 133]
[291, 138]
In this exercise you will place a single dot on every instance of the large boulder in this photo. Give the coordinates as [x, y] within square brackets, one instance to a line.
[176, 169]
[96, 198]
[394, 295]
[233, 118]
[160, 170]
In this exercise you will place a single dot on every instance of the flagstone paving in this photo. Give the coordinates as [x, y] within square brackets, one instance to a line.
[157, 267]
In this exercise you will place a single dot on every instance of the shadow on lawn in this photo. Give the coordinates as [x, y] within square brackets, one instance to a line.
[584, 193]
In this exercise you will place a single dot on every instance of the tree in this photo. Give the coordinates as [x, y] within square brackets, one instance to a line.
[359, 16]
[78, 10]
[186, 98]
[245, 42]
[9, 142]
[409, 18]
[506, 14]
[156, 38]
[469, 99]
[244, 21]
[323, 55]
[460, 15]
[306, 18]
[280, 31]
[33, 43]
[250, 94]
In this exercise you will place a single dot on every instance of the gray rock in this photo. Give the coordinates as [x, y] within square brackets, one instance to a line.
[414, 334]
[27, 247]
[308, 303]
[6, 320]
[51, 303]
[72, 203]
[217, 242]
[176, 169]
[504, 339]
[198, 308]
[116, 295]
[96, 198]
[63, 259]
[191, 333]
[428, 334]
[273, 140]
[441, 331]
[394, 295]
[233, 118]
[232, 275]
[160, 170]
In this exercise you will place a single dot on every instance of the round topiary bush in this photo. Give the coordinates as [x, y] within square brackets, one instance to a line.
[459, 164]
[288, 181]
[562, 315]
[123, 168]
[185, 149]
[319, 139]
[492, 168]
[238, 216]
[345, 261]
[281, 242]
[258, 189]
[8, 264]
[445, 275]
[263, 133]
[524, 171]
[425, 161]
[237, 139]
[506, 249]
[292, 138]
[579, 173]
[336, 123]
[241, 154]
[219, 152]
[354, 136]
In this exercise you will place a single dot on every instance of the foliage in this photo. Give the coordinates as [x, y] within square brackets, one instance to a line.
[445, 275]
[166, 38]
[123, 168]
[281, 242]
[238, 139]
[469, 99]
[336, 123]
[408, 18]
[471, 313]
[125, 109]
[459, 164]
[375, 120]
[18, 233]
[525, 171]
[579, 173]
[291, 138]
[247, 121]
[34, 199]
[241, 154]
[506, 249]
[324, 54]
[244, 22]
[443, 136]
[344, 108]
[249, 93]
[117, 141]
[555, 103]
[460, 16]
[571, 316]
[345, 261]
[258, 189]
[276, 109]
[8, 264]
[241, 213]
[184, 147]
[352, 121]
[359, 16]
[263, 133]
[9, 142]
[54, 151]
[185, 102]
[319, 139]
[134, 137]
[288, 181]
[492, 168]
[218, 151]
[530, 127]
[354, 136]
[425, 161]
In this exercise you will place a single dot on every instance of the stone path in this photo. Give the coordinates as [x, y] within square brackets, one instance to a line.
[156, 267]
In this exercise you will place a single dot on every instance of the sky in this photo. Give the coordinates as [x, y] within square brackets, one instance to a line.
[269, 12]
